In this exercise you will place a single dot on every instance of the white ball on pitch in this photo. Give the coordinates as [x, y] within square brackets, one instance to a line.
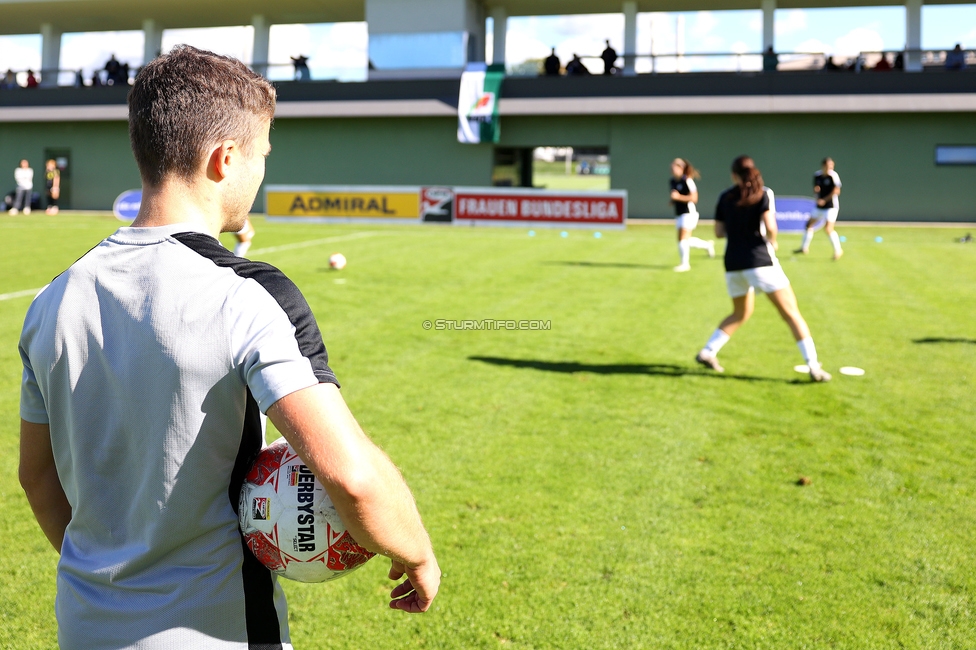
[289, 522]
[337, 261]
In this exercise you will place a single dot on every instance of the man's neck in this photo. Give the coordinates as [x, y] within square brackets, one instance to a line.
[174, 202]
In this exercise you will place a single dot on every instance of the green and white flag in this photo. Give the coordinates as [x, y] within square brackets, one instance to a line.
[481, 87]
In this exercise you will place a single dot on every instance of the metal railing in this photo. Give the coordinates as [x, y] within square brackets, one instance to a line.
[670, 63]
[692, 62]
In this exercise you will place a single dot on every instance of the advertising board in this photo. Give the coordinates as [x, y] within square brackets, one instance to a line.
[518, 206]
[329, 203]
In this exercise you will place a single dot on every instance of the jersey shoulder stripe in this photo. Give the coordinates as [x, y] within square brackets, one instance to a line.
[280, 287]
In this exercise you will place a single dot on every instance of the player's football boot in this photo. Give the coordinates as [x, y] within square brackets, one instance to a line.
[709, 361]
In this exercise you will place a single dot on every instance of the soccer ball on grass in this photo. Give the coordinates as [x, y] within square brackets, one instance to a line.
[337, 261]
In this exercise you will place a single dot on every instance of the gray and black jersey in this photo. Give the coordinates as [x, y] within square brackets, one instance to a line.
[152, 358]
[686, 187]
[824, 185]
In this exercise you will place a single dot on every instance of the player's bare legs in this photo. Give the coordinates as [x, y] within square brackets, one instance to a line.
[834, 239]
[742, 308]
[686, 242]
[807, 237]
[244, 237]
[785, 301]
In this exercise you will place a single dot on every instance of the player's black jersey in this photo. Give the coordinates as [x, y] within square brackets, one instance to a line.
[747, 247]
[686, 187]
[826, 182]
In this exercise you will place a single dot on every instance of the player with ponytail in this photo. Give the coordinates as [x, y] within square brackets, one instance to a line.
[746, 216]
[684, 196]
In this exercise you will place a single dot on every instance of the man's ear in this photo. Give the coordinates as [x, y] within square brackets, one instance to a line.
[221, 158]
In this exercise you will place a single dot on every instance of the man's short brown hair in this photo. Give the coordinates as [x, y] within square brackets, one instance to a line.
[189, 100]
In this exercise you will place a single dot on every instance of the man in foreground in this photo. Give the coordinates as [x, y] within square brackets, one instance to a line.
[147, 366]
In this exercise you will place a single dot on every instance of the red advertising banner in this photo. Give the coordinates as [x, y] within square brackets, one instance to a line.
[504, 206]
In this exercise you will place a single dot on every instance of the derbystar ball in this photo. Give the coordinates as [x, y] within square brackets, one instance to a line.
[289, 522]
[337, 261]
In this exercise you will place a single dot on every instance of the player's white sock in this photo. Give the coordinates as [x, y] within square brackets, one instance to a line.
[809, 352]
[807, 238]
[695, 242]
[241, 249]
[835, 240]
[684, 250]
[719, 338]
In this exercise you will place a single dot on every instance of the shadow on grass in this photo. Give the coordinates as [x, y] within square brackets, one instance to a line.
[612, 265]
[938, 339]
[651, 369]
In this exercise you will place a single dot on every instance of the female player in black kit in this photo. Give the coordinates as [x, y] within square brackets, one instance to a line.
[745, 214]
[684, 196]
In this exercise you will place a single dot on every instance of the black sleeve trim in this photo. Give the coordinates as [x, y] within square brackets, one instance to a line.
[281, 288]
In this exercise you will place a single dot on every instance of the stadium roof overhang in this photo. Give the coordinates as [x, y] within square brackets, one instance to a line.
[26, 16]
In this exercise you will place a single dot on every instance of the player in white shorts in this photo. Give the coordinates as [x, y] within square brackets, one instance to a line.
[746, 216]
[684, 196]
[244, 237]
[826, 185]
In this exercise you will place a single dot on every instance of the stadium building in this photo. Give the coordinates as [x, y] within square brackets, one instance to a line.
[904, 141]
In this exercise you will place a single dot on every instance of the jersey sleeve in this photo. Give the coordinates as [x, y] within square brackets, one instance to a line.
[32, 407]
[836, 178]
[278, 345]
[692, 188]
[770, 201]
[720, 209]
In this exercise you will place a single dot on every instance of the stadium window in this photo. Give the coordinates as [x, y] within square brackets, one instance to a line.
[552, 167]
[947, 154]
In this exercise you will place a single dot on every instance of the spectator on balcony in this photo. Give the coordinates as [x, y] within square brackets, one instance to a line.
[899, 61]
[609, 57]
[552, 65]
[770, 60]
[302, 73]
[883, 65]
[10, 81]
[955, 58]
[575, 67]
[115, 73]
[831, 66]
[31, 80]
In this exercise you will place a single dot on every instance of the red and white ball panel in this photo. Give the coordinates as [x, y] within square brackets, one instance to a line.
[289, 522]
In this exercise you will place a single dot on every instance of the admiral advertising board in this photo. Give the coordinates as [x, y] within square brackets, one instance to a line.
[343, 203]
[518, 207]
[438, 204]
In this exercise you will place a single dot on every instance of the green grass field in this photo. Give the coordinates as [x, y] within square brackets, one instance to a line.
[588, 486]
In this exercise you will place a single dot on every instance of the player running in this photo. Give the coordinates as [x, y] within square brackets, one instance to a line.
[746, 215]
[826, 185]
[684, 196]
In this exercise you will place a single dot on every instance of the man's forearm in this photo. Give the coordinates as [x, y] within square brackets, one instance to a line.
[39, 478]
[50, 507]
[365, 486]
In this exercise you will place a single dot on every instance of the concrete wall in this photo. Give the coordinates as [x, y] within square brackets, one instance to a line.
[102, 165]
[884, 160]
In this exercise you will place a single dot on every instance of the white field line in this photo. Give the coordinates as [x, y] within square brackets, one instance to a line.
[20, 294]
[316, 242]
[270, 249]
